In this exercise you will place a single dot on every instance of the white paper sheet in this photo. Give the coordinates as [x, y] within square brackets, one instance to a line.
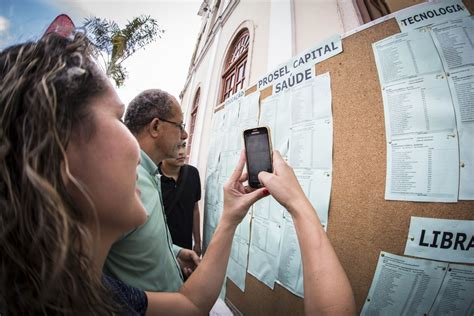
[461, 82]
[311, 100]
[456, 294]
[453, 40]
[211, 205]
[239, 112]
[231, 160]
[268, 209]
[237, 267]
[311, 145]
[265, 240]
[420, 120]
[216, 136]
[441, 239]
[232, 139]
[231, 114]
[290, 268]
[302, 103]
[403, 286]
[211, 188]
[418, 105]
[311, 129]
[264, 250]
[305, 110]
[423, 168]
[406, 55]
[316, 185]
[220, 308]
[422, 144]
[216, 174]
[248, 112]
[211, 218]
[311, 157]
[275, 113]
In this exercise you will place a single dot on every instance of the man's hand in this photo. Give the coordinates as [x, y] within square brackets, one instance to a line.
[188, 261]
[197, 249]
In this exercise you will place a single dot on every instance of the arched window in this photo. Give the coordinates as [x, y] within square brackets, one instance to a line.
[234, 69]
[194, 111]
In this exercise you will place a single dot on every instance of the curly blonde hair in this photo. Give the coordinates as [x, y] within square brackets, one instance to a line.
[46, 247]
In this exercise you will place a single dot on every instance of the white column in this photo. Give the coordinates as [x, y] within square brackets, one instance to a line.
[281, 33]
[204, 104]
[349, 13]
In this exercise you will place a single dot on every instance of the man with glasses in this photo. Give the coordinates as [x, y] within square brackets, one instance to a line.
[146, 256]
[181, 188]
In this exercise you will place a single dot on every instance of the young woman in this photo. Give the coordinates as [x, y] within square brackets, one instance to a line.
[67, 191]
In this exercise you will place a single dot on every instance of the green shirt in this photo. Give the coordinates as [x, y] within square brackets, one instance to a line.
[145, 257]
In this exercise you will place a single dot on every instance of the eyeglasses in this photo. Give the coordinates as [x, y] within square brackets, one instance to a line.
[181, 126]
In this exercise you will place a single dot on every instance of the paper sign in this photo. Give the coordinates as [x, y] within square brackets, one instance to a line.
[441, 239]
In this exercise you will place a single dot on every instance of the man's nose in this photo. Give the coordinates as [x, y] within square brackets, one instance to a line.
[184, 135]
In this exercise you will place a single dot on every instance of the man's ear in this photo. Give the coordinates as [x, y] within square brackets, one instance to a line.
[154, 127]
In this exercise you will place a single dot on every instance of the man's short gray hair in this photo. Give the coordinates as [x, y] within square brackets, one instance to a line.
[146, 106]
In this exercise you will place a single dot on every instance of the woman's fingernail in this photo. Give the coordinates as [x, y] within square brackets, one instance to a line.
[266, 192]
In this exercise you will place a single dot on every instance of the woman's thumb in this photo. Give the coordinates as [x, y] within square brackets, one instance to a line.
[257, 195]
[263, 177]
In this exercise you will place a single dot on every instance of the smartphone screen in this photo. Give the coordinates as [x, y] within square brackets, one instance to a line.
[259, 153]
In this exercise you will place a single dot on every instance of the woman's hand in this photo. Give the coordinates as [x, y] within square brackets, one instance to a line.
[282, 183]
[237, 197]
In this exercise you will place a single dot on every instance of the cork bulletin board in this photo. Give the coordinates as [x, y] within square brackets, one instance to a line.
[361, 222]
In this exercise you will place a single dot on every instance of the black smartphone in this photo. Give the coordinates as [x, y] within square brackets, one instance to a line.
[258, 149]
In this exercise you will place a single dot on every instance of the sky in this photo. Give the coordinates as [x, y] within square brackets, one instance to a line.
[162, 64]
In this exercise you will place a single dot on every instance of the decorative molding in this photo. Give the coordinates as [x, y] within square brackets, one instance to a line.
[220, 21]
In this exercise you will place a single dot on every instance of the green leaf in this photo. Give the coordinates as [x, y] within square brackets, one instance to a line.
[114, 45]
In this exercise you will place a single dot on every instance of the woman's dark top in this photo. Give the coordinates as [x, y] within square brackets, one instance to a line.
[133, 301]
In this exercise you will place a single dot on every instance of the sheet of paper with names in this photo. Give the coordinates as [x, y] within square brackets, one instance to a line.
[226, 143]
[266, 231]
[408, 286]
[301, 123]
[311, 141]
[455, 39]
[275, 114]
[237, 266]
[429, 112]
[242, 114]
[212, 198]
[290, 267]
